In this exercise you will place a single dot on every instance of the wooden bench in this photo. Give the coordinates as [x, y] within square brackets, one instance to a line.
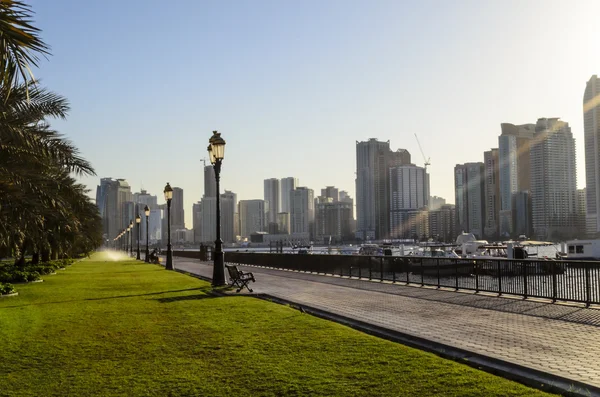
[238, 278]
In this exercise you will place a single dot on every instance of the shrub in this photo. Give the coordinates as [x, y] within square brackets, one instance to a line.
[41, 268]
[5, 276]
[33, 276]
[67, 262]
[6, 289]
[18, 276]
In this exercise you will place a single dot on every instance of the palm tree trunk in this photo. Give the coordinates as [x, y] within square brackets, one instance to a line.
[21, 259]
[45, 255]
[35, 259]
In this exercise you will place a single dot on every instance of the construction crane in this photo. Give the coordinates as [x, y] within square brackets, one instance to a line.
[204, 161]
[425, 159]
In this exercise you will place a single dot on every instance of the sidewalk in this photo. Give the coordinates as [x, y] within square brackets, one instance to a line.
[559, 340]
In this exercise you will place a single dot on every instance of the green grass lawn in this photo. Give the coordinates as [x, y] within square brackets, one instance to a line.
[108, 327]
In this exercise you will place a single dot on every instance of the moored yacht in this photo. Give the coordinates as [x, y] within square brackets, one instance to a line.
[582, 250]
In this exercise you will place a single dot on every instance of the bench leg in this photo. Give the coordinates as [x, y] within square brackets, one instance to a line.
[241, 284]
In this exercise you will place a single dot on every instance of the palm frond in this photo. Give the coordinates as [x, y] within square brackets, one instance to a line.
[20, 43]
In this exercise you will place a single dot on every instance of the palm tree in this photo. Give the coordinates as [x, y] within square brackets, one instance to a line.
[20, 44]
[42, 208]
[35, 186]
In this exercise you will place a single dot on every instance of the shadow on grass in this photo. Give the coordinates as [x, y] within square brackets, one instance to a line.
[186, 298]
[204, 290]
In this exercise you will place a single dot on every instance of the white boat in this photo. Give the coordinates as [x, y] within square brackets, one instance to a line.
[370, 249]
[583, 250]
[469, 245]
[434, 252]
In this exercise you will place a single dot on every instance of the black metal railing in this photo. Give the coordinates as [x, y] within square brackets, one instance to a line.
[557, 280]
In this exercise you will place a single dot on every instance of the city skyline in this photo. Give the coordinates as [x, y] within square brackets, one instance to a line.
[298, 88]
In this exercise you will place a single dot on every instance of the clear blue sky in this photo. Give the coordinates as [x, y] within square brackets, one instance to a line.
[293, 85]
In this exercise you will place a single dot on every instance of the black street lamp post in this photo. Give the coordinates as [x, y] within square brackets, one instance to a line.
[168, 197]
[137, 221]
[131, 238]
[216, 152]
[147, 213]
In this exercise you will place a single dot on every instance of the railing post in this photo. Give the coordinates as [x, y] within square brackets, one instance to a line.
[588, 297]
[438, 271]
[370, 271]
[553, 282]
[525, 289]
[456, 274]
[359, 269]
[476, 276]
[408, 274]
[393, 271]
[421, 271]
[499, 262]
[381, 269]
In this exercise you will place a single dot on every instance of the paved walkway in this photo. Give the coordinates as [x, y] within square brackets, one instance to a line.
[556, 339]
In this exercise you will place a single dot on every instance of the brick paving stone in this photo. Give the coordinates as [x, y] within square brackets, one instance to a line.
[557, 339]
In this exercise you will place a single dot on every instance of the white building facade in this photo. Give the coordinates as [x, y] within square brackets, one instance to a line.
[303, 212]
[287, 186]
[272, 195]
[409, 191]
[253, 216]
[553, 179]
[591, 128]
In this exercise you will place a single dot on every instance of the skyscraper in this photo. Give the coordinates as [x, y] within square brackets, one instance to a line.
[553, 180]
[333, 221]
[155, 226]
[101, 194]
[197, 221]
[144, 198]
[272, 196]
[253, 216]
[287, 187]
[436, 202]
[177, 211]
[492, 193]
[209, 219]
[409, 191]
[442, 223]
[141, 200]
[303, 212]
[283, 222]
[210, 183]
[228, 210]
[331, 192]
[580, 208]
[591, 128]
[514, 169]
[522, 215]
[373, 160]
[233, 196]
[469, 190]
[113, 195]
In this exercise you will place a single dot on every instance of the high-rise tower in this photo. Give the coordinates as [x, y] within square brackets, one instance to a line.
[591, 128]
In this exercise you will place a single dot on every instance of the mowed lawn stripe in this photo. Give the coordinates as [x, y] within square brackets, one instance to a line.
[114, 326]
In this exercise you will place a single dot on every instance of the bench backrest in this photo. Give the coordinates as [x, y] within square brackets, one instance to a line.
[234, 272]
